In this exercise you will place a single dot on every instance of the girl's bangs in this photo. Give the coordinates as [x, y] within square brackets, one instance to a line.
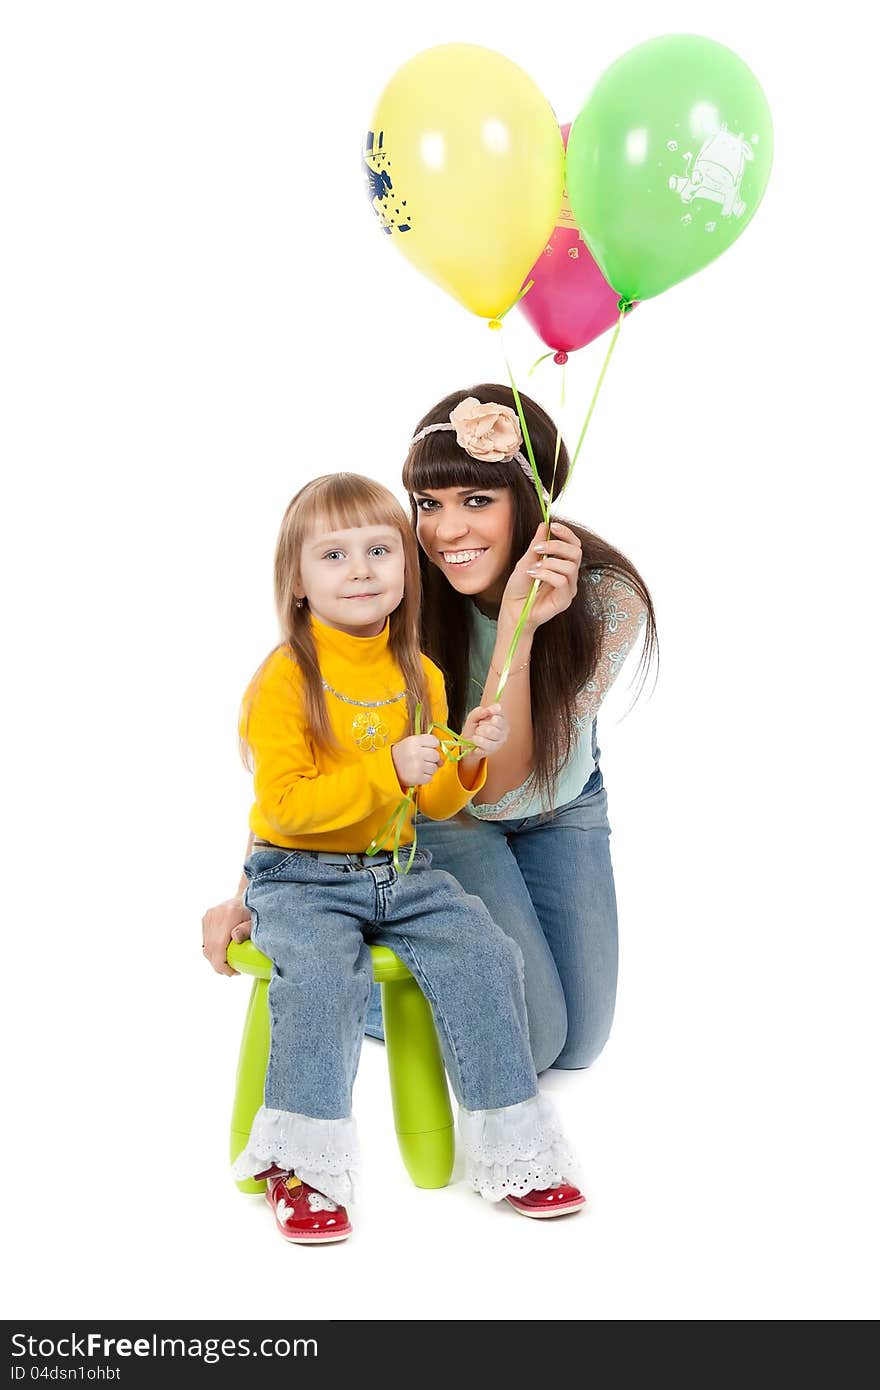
[345, 502]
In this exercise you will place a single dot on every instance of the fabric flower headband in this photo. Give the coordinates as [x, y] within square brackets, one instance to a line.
[490, 433]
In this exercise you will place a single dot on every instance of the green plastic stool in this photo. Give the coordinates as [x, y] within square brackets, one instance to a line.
[422, 1113]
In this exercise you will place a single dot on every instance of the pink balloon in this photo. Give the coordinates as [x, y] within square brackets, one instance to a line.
[570, 302]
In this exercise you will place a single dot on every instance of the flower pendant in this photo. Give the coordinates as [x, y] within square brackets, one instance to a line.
[370, 732]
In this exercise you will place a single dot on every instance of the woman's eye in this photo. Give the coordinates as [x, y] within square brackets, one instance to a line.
[477, 500]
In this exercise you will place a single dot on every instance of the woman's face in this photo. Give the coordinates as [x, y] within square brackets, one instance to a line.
[467, 533]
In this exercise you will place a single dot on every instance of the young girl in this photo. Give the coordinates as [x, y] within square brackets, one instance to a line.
[533, 841]
[326, 721]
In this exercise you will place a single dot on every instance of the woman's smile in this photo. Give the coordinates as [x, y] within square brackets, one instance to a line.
[459, 558]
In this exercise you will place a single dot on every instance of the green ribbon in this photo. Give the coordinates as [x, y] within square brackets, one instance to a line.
[499, 318]
[539, 360]
[624, 307]
[614, 337]
[536, 477]
[454, 748]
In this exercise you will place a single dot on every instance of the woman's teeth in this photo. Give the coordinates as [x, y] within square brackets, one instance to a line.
[462, 557]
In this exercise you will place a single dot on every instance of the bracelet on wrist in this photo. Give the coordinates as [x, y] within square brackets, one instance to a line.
[512, 672]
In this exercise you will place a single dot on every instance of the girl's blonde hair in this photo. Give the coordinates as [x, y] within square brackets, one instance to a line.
[340, 501]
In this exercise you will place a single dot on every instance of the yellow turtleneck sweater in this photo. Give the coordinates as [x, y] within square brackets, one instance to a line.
[309, 799]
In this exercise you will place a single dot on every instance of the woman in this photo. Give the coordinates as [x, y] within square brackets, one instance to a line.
[533, 844]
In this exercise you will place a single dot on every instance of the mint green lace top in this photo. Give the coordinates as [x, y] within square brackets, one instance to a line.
[623, 617]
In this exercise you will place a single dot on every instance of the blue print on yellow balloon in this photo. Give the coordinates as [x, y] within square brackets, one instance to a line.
[380, 189]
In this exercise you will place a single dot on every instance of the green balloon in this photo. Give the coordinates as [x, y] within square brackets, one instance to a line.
[668, 161]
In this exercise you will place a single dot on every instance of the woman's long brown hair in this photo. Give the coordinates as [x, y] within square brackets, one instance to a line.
[339, 501]
[566, 650]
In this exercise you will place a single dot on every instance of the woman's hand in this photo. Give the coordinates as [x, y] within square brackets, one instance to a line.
[556, 562]
[488, 728]
[229, 921]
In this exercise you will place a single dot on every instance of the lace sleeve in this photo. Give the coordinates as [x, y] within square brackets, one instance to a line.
[509, 805]
[624, 616]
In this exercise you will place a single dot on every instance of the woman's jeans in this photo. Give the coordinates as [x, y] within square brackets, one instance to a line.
[315, 921]
[549, 884]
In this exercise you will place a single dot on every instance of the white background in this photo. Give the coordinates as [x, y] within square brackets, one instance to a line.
[199, 313]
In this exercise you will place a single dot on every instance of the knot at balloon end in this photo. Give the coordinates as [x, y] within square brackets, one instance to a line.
[495, 324]
[560, 359]
[624, 305]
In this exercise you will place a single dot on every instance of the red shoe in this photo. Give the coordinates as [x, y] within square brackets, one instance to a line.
[302, 1214]
[549, 1201]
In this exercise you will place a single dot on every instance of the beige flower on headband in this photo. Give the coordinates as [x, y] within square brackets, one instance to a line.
[489, 432]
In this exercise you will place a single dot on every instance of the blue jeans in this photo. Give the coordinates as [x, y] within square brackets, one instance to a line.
[550, 885]
[314, 920]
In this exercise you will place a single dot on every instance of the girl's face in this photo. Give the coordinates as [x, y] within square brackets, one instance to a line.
[467, 533]
[353, 578]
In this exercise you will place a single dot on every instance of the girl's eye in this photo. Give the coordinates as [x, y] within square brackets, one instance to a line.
[340, 554]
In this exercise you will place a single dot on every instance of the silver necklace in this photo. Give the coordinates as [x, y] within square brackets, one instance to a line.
[363, 704]
[369, 731]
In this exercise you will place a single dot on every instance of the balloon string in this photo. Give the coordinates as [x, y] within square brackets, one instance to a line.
[539, 361]
[533, 592]
[394, 827]
[558, 435]
[518, 631]
[614, 337]
[556, 459]
[454, 748]
[545, 513]
[536, 477]
[497, 321]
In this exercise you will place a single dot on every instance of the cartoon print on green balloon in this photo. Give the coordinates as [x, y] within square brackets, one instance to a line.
[668, 161]
[717, 172]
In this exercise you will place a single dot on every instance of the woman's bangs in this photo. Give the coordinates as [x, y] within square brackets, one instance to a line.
[437, 462]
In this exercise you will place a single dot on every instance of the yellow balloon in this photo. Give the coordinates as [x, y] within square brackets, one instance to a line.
[465, 169]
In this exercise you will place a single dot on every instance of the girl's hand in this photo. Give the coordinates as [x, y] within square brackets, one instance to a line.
[487, 727]
[556, 563]
[229, 921]
[416, 759]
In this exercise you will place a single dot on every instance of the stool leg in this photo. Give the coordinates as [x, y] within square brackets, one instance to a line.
[422, 1113]
[252, 1061]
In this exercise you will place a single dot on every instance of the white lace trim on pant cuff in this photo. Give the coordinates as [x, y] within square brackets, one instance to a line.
[516, 1150]
[324, 1153]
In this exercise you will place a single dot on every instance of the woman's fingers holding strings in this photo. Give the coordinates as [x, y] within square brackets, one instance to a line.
[564, 549]
[547, 576]
[558, 566]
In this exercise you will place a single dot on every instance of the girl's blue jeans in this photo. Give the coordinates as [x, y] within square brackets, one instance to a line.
[550, 885]
[315, 920]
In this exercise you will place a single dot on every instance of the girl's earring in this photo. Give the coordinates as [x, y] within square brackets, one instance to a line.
[299, 603]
